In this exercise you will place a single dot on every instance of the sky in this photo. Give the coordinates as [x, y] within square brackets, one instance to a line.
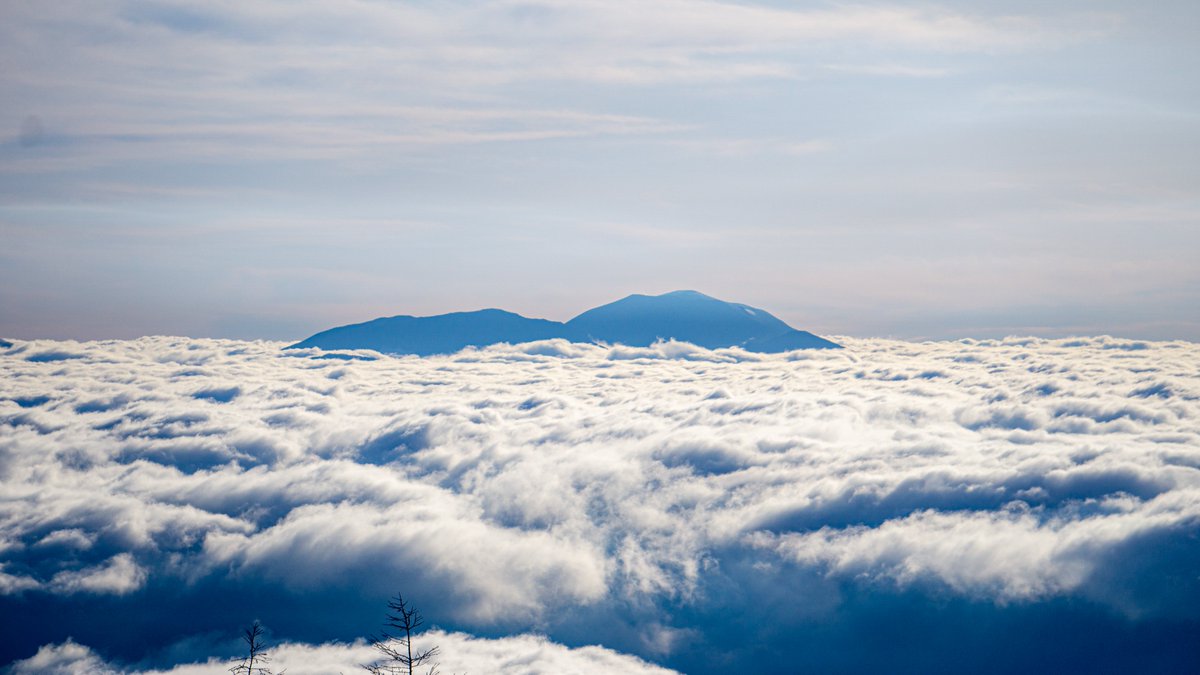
[977, 506]
[915, 170]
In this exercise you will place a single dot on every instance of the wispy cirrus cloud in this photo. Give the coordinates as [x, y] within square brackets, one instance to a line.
[197, 81]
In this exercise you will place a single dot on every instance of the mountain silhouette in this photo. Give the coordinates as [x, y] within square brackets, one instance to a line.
[692, 317]
[637, 320]
[441, 334]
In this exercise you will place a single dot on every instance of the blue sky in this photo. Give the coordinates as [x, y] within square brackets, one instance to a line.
[904, 169]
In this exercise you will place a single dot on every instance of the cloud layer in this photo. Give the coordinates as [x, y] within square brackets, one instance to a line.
[696, 508]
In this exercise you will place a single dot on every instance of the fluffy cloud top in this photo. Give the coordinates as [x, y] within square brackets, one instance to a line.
[697, 508]
[519, 655]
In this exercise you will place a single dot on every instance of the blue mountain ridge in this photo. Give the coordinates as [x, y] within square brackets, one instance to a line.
[636, 320]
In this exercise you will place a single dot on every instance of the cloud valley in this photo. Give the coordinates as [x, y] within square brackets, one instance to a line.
[891, 505]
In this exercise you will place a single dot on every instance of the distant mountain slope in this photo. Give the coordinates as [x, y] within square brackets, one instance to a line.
[789, 341]
[442, 334]
[637, 320]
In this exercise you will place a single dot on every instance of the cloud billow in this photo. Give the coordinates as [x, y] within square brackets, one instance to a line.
[892, 505]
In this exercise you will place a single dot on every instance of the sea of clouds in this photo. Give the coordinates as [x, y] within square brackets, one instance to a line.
[565, 508]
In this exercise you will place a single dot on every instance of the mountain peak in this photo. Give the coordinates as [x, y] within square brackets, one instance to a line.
[671, 295]
[685, 315]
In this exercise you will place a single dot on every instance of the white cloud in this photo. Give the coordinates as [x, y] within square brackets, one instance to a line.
[11, 583]
[461, 653]
[68, 658]
[489, 572]
[550, 486]
[118, 576]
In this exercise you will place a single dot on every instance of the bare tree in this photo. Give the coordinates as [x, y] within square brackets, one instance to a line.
[254, 663]
[397, 648]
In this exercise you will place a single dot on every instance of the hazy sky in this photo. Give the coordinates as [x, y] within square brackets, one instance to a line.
[269, 169]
